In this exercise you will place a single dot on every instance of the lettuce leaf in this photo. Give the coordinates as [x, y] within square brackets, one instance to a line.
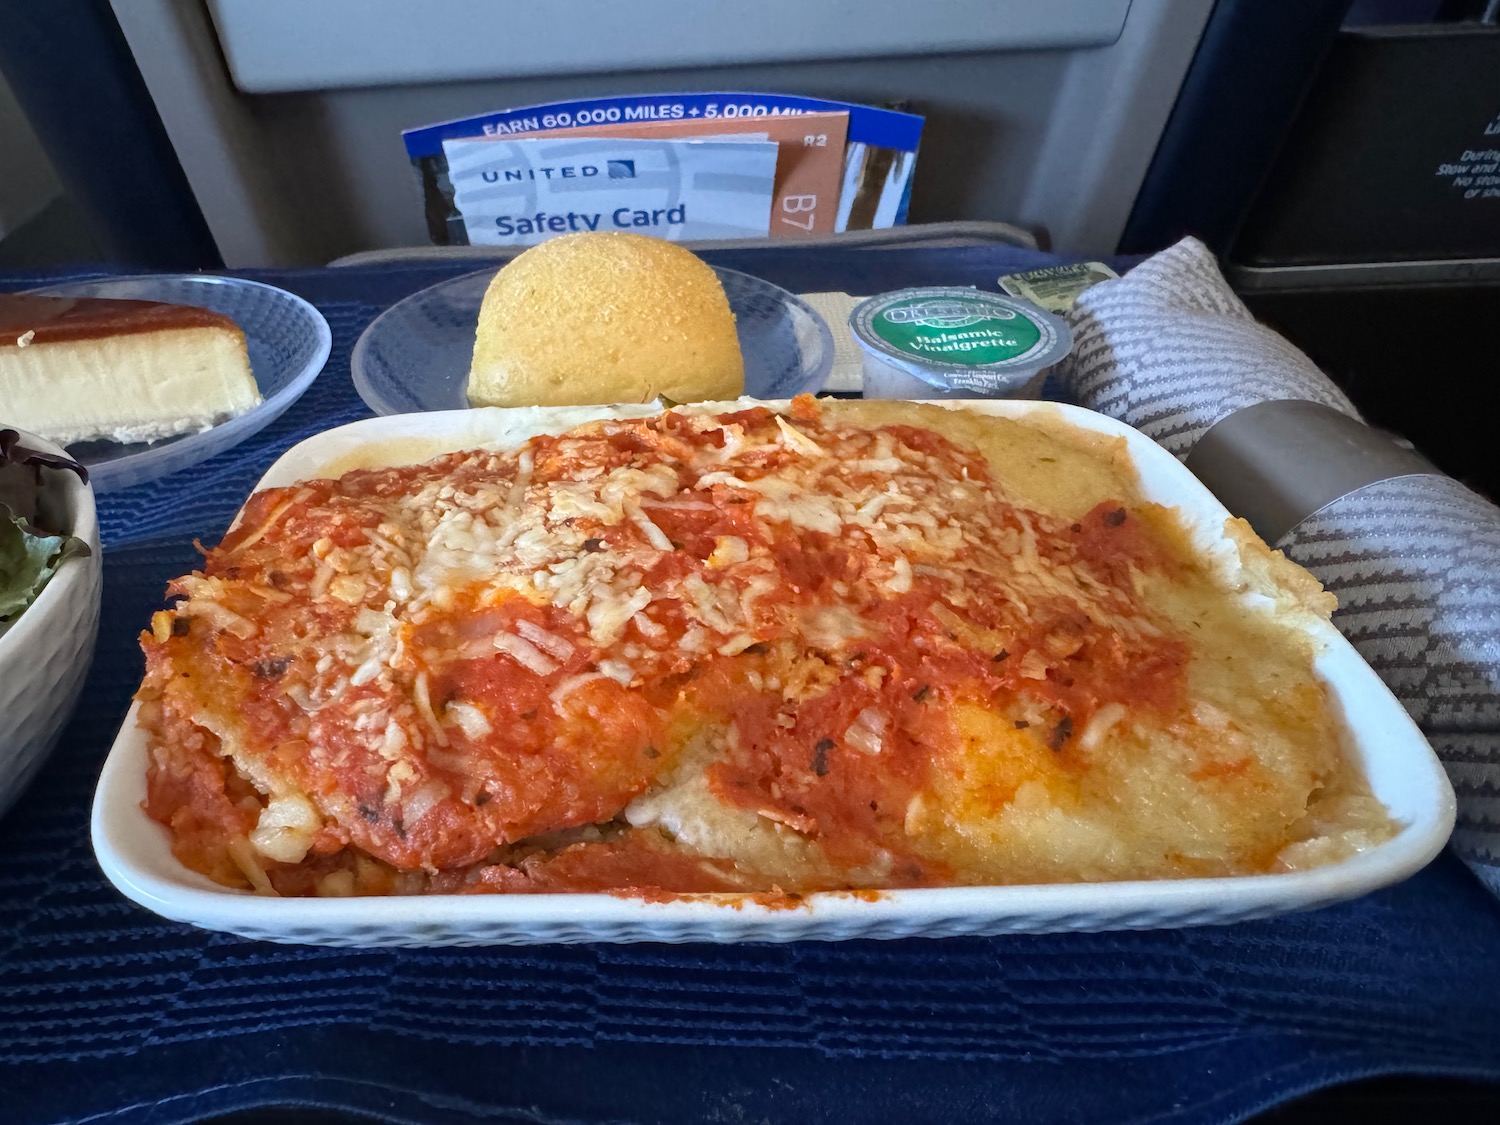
[29, 553]
[27, 560]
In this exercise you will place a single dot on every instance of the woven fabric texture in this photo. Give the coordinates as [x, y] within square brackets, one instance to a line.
[110, 1014]
[1415, 562]
[1170, 349]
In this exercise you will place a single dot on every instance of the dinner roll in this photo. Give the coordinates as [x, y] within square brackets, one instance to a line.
[603, 318]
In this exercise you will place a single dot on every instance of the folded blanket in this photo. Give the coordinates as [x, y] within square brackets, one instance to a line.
[1413, 556]
[1170, 349]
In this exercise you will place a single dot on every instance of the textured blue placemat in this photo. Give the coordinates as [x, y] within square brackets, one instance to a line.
[110, 1014]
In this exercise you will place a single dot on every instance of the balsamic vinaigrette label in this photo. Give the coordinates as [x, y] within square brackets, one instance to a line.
[959, 339]
[956, 330]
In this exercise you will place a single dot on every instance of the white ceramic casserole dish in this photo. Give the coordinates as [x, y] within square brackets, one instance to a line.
[135, 852]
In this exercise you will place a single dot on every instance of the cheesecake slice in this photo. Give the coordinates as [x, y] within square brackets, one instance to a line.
[81, 369]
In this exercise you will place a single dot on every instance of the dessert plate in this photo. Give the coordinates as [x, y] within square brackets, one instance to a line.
[288, 341]
[415, 355]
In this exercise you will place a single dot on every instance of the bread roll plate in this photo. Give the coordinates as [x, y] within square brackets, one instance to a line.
[416, 356]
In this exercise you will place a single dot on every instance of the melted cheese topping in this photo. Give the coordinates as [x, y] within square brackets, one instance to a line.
[859, 646]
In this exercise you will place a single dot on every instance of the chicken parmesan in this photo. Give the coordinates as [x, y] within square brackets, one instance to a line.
[840, 646]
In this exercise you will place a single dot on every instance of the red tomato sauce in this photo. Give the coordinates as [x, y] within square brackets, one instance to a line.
[570, 746]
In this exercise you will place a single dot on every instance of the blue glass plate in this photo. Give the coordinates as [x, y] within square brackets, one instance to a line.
[288, 341]
[415, 356]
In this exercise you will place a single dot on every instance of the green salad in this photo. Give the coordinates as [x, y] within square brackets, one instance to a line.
[31, 548]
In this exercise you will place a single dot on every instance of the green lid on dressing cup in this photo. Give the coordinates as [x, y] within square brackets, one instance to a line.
[952, 342]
